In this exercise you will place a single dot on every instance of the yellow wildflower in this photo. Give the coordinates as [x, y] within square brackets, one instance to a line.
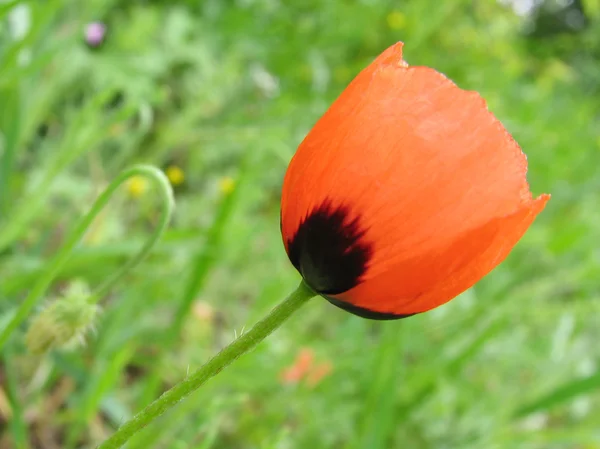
[137, 186]
[226, 185]
[175, 174]
[396, 20]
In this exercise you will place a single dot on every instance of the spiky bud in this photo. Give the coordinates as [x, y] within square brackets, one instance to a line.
[64, 322]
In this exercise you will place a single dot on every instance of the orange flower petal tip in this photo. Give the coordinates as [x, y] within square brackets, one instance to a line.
[299, 369]
[404, 194]
[319, 373]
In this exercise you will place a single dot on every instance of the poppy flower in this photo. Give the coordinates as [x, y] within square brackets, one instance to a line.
[305, 368]
[405, 193]
[300, 368]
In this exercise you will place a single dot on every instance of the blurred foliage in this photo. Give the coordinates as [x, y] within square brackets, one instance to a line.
[219, 93]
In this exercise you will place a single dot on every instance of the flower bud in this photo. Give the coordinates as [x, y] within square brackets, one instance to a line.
[94, 33]
[64, 322]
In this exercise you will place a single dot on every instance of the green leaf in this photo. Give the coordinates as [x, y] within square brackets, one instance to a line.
[560, 395]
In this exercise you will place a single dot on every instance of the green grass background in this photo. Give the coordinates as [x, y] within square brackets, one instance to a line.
[226, 90]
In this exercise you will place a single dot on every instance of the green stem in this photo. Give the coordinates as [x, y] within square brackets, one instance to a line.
[55, 265]
[10, 121]
[241, 345]
[17, 422]
[78, 140]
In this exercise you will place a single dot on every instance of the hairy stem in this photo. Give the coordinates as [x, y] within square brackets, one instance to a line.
[55, 265]
[238, 347]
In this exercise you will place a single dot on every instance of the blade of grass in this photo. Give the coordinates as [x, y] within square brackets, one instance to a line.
[80, 140]
[201, 268]
[435, 19]
[172, 424]
[18, 427]
[211, 437]
[560, 395]
[378, 419]
[6, 7]
[10, 125]
[453, 364]
[108, 369]
[42, 15]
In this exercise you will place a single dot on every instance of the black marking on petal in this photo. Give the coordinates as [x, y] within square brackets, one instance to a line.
[329, 249]
[365, 313]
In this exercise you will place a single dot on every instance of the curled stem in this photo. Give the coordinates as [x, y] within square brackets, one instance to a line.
[238, 347]
[56, 264]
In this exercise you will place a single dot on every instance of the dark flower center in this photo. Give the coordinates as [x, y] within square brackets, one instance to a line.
[329, 250]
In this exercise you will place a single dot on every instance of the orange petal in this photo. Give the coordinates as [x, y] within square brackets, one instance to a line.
[291, 375]
[305, 359]
[317, 374]
[402, 167]
[429, 280]
[299, 369]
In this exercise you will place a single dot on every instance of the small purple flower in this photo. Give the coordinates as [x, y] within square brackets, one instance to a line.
[94, 33]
